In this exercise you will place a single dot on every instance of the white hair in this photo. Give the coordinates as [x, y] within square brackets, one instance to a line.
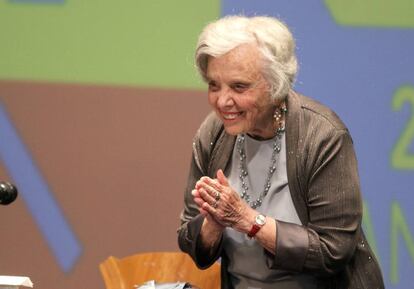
[270, 35]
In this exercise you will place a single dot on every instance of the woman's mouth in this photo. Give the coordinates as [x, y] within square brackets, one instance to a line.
[230, 115]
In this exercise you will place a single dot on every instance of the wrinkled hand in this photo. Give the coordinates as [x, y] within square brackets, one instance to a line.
[216, 198]
[199, 202]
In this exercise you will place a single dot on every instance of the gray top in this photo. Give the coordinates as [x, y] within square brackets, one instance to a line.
[247, 260]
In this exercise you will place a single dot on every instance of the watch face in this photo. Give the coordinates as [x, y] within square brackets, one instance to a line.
[260, 220]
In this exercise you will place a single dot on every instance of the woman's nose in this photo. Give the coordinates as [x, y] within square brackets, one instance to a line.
[225, 99]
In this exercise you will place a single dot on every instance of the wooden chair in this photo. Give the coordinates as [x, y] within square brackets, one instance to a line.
[159, 266]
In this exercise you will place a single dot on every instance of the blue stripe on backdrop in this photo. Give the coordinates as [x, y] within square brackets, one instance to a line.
[359, 72]
[37, 196]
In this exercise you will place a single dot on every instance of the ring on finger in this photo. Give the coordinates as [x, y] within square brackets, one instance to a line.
[217, 196]
[215, 204]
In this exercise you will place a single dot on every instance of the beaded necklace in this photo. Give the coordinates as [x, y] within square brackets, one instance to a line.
[279, 118]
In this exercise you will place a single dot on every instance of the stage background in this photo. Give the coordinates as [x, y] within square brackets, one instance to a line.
[99, 101]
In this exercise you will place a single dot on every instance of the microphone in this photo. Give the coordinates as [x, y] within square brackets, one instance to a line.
[8, 193]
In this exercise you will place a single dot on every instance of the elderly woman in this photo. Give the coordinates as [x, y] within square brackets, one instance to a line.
[273, 187]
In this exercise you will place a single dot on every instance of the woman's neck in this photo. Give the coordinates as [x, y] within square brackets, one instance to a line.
[275, 121]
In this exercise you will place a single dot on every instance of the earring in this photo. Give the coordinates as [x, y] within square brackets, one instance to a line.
[277, 115]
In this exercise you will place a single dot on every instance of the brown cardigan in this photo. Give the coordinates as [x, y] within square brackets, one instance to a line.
[324, 185]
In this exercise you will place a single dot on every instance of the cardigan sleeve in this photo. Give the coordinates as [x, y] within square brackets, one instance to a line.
[327, 242]
[190, 229]
[191, 221]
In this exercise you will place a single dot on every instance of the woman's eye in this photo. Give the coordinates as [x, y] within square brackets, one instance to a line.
[212, 86]
[240, 87]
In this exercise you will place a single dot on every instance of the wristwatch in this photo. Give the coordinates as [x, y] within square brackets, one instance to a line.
[259, 222]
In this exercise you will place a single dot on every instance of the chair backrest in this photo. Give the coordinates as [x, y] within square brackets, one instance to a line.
[162, 267]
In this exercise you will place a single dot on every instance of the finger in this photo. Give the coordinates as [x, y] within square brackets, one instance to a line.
[197, 198]
[206, 196]
[208, 188]
[212, 186]
[195, 193]
[214, 193]
[201, 181]
[209, 209]
[222, 178]
[202, 211]
[199, 202]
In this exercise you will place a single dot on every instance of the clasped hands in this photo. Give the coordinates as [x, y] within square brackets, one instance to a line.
[221, 204]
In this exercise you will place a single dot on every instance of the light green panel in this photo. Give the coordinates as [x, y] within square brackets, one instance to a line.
[374, 13]
[128, 42]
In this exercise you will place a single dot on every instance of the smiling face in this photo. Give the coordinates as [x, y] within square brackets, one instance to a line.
[239, 93]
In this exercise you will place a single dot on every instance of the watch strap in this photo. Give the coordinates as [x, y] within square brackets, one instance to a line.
[253, 231]
[259, 222]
